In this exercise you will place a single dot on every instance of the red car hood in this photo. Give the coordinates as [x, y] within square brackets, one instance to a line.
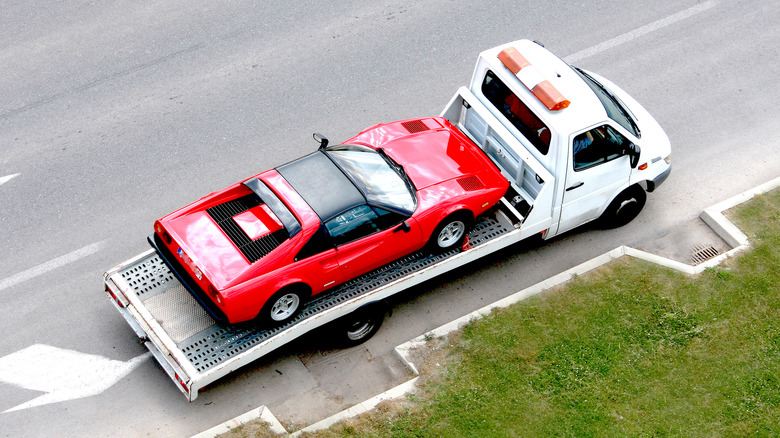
[433, 155]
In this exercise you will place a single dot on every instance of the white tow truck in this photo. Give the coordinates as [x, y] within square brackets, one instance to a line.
[573, 145]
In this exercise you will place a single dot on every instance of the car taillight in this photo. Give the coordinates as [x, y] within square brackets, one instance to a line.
[214, 294]
[190, 264]
[162, 233]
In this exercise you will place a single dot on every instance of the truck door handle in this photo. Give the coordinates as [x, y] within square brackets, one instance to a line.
[579, 184]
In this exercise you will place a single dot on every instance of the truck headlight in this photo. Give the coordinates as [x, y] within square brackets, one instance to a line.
[668, 159]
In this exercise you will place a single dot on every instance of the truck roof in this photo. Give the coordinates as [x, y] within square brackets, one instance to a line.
[584, 109]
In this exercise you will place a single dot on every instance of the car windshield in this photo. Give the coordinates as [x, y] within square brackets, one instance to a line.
[381, 180]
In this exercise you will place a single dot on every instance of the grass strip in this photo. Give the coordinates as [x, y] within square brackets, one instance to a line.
[631, 349]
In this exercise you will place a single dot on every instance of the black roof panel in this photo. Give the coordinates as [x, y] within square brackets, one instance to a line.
[321, 184]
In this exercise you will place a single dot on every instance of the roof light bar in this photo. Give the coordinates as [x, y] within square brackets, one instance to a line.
[533, 79]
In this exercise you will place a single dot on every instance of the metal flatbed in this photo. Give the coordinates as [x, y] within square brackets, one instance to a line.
[195, 350]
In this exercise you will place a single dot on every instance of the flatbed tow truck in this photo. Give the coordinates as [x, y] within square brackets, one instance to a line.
[195, 350]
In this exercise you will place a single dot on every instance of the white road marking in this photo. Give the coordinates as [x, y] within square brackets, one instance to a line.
[51, 265]
[5, 179]
[62, 374]
[638, 32]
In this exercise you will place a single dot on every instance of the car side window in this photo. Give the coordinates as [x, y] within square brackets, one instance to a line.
[319, 242]
[352, 224]
[386, 218]
[597, 146]
[359, 222]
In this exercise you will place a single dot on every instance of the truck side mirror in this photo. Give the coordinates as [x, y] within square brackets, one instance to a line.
[321, 139]
[633, 153]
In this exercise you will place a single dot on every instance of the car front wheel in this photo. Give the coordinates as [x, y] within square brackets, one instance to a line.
[450, 233]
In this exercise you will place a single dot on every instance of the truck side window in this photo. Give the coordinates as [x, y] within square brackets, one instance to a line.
[516, 112]
[597, 146]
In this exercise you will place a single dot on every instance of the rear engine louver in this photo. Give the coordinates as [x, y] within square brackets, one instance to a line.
[471, 183]
[253, 250]
[415, 126]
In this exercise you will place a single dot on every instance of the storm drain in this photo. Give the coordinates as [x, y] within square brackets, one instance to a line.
[701, 253]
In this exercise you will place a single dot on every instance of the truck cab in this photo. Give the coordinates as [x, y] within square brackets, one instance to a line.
[603, 150]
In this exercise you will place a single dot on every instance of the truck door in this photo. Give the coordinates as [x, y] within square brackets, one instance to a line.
[597, 170]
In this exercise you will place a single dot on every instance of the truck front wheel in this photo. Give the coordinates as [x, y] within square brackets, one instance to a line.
[624, 208]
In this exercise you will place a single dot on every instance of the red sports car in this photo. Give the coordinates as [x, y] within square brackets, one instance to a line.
[260, 248]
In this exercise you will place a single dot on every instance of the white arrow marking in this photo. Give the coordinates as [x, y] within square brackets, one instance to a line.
[62, 374]
[5, 179]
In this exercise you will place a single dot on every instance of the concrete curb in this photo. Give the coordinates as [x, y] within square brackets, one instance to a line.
[262, 413]
[712, 216]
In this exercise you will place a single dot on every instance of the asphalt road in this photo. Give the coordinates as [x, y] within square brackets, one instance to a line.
[114, 114]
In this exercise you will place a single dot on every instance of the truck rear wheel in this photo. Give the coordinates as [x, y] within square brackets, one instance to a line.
[360, 325]
[624, 208]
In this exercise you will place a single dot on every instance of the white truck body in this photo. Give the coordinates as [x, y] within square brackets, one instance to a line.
[195, 351]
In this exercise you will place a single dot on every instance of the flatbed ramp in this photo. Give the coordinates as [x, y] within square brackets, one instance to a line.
[195, 350]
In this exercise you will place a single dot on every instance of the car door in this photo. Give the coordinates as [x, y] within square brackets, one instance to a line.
[598, 169]
[368, 237]
[317, 262]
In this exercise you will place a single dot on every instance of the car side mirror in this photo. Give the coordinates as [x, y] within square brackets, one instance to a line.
[403, 227]
[321, 139]
[633, 153]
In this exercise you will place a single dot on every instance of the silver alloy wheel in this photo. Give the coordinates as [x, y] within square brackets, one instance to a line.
[285, 306]
[360, 329]
[451, 234]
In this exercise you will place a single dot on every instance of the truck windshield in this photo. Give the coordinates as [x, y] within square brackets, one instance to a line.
[383, 184]
[614, 107]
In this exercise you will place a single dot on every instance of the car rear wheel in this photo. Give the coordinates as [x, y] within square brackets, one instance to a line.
[283, 306]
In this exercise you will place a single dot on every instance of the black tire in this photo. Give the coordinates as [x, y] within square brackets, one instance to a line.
[283, 306]
[624, 208]
[450, 233]
[360, 325]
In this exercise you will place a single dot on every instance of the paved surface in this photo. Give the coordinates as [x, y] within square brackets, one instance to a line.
[690, 243]
[113, 114]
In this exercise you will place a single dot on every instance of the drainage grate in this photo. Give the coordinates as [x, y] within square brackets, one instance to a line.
[702, 253]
